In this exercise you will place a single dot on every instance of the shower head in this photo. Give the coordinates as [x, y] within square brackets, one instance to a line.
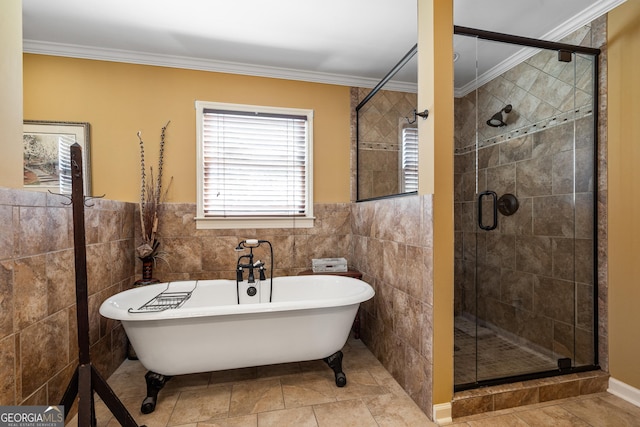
[499, 119]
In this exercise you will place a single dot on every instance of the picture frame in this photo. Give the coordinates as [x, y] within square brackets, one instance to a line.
[47, 156]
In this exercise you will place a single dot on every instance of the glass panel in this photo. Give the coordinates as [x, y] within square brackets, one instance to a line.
[383, 121]
[524, 209]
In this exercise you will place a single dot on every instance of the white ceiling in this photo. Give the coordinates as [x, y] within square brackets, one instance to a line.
[350, 42]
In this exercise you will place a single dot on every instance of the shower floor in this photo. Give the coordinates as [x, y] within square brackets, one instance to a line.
[497, 356]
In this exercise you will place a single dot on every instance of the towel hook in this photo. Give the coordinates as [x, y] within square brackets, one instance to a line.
[423, 114]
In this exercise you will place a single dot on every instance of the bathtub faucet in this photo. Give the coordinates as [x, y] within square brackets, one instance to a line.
[246, 262]
[249, 265]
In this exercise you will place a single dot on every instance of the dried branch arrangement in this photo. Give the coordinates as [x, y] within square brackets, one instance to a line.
[151, 196]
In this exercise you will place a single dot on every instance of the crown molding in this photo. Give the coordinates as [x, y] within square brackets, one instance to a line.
[199, 64]
[583, 18]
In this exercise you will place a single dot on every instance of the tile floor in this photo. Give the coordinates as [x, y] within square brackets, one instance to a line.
[593, 410]
[304, 394]
[294, 394]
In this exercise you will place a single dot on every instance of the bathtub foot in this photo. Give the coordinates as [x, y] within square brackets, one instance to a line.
[335, 362]
[155, 382]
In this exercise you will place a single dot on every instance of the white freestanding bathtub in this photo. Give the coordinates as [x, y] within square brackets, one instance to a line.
[216, 328]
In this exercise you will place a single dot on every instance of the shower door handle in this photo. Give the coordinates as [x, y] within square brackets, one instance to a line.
[494, 200]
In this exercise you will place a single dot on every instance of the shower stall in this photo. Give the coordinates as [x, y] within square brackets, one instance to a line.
[525, 207]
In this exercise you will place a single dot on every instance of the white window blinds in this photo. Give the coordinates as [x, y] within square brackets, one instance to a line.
[409, 159]
[255, 164]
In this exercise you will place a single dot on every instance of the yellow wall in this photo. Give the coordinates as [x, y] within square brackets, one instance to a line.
[11, 93]
[624, 192]
[119, 99]
[435, 93]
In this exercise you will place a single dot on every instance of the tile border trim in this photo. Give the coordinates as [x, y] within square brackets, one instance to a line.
[624, 391]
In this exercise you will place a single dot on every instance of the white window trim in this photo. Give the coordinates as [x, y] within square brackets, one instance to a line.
[203, 222]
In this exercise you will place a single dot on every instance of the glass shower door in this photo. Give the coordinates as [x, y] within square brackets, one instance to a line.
[524, 222]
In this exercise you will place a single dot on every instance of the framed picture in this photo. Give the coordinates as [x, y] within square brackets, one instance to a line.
[47, 155]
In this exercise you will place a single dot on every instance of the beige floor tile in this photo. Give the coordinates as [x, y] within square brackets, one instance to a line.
[200, 405]
[360, 384]
[256, 396]
[307, 390]
[622, 404]
[600, 413]
[244, 421]
[551, 416]
[298, 417]
[130, 380]
[507, 420]
[384, 378]
[348, 413]
[393, 411]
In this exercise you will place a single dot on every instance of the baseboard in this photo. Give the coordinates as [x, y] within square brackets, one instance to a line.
[624, 391]
[442, 413]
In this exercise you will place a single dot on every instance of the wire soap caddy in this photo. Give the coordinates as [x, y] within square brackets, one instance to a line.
[165, 300]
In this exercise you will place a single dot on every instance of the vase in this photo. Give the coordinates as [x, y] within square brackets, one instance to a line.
[147, 273]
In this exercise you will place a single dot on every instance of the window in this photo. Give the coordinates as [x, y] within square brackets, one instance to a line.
[409, 160]
[254, 166]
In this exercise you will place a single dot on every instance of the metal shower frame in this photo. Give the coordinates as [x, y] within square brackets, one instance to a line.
[560, 47]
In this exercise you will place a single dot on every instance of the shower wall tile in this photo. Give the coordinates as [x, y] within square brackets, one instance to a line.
[584, 215]
[502, 179]
[584, 306]
[534, 177]
[500, 250]
[585, 179]
[520, 223]
[555, 299]
[517, 288]
[553, 216]
[553, 140]
[584, 260]
[562, 179]
[564, 258]
[533, 254]
[489, 157]
[516, 150]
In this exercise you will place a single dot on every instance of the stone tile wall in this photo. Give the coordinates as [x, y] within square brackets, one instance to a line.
[393, 247]
[210, 254]
[527, 266]
[38, 333]
[542, 90]
[498, 151]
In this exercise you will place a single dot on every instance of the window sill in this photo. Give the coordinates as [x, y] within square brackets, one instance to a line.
[205, 223]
